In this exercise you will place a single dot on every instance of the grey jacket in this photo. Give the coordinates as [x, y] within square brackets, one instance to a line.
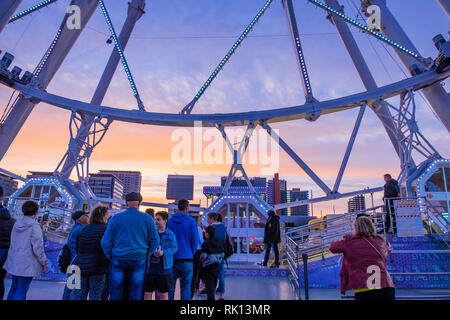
[26, 255]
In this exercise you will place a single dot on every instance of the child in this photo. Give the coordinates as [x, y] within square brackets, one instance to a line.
[159, 272]
[211, 256]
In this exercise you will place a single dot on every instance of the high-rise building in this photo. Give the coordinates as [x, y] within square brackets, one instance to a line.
[180, 187]
[105, 185]
[297, 194]
[8, 185]
[131, 180]
[271, 190]
[357, 203]
[285, 196]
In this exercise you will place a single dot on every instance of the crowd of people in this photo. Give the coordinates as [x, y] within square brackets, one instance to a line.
[131, 255]
[134, 255]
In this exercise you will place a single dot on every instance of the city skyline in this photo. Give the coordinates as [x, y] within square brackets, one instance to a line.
[170, 73]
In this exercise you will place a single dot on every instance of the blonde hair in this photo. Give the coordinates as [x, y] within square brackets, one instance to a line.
[365, 227]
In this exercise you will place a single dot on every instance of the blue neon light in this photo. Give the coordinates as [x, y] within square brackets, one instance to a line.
[122, 56]
[227, 56]
[364, 28]
[30, 10]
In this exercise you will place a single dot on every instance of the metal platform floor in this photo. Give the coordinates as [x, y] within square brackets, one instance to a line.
[237, 288]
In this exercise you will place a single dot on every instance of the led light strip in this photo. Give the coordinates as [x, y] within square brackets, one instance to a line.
[122, 56]
[47, 54]
[31, 10]
[364, 28]
[298, 46]
[225, 59]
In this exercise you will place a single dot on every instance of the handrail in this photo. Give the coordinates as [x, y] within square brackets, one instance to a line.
[313, 239]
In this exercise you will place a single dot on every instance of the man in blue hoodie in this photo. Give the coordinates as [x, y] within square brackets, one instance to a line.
[185, 229]
[129, 238]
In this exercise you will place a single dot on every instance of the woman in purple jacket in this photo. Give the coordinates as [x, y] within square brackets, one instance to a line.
[26, 255]
[364, 266]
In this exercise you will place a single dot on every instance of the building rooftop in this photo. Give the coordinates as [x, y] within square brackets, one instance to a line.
[120, 171]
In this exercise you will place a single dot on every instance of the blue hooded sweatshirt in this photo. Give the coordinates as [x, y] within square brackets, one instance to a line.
[186, 232]
[131, 235]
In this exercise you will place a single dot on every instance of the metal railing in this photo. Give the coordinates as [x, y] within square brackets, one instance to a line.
[312, 240]
[294, 266]
[315, 238]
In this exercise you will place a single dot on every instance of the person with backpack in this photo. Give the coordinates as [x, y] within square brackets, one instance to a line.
[129, 239]
[186, 233]
[215, 219]
[211, 256]
[158, 277]
[26, 255]
[6, 226]
[90, 258]
[272, 238]
[69, 251]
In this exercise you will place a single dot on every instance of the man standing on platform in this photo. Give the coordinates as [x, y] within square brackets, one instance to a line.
[391, 190]
[272, 238]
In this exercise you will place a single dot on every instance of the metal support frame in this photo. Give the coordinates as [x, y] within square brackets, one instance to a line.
[445, 5]
[295, 37]
[99, 127]
[399, 137]
[238, 156]
[409, 136]
[135, 12]
[411, 51]
[349, 148]
[436, 95]
[379, 107]
[50, 63]
[296, 158]
[188, 108]
[7, 9]
[34, 8]
[122, 56]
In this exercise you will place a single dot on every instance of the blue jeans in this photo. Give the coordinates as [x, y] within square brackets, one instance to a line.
[184, 271]
[275, 251]
[67, 292]
[221, 287]
[3, 256]
[19, 288]
[127, 271]
[92, 285]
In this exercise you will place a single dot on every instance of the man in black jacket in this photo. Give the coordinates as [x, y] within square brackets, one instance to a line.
[272, 238]
[391, 190]
[6, 226]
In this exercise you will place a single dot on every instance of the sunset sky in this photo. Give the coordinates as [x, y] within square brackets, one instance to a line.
[174, 48]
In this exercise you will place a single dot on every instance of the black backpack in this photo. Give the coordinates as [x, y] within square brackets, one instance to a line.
[227, 247]
[64, 259]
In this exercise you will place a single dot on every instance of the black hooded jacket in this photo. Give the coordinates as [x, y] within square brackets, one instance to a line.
[6, 226]
[272, 230]
[391, 189]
